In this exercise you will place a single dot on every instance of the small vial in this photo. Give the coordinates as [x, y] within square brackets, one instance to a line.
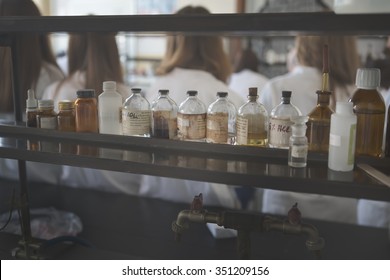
[86, 112]
[46, 117]
[298, 147]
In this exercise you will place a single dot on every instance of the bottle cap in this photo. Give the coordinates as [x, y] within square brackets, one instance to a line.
[222, 93]
[109, 85]
[85, 93]
[46, 103]
[65, 105]
[136, 90]
[164, 91]
[344, 108]
[192, 93]
[368, 78]
[253, 91]
[31, 101]
[286, 93]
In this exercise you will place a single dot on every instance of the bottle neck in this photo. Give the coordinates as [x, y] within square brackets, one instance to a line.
[323, 98]
[252, 98]
[286, 100]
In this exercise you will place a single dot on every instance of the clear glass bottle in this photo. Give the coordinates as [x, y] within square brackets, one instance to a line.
[109, 109]
[191, 118]
[164, 116]
[86, 111]
[221, 120]
[31, 109]
[280, 122]
[342, 137]
[370, 110]
[298, 145]
[66, 117]
[136, 115]
[252, 122]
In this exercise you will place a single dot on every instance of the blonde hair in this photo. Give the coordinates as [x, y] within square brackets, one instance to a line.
[32, 49]
[196, 51]
[343, 57]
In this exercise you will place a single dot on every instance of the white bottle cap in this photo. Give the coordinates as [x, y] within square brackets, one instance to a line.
[31, 101]
[368, 78]
[109, 85]
[344, 108]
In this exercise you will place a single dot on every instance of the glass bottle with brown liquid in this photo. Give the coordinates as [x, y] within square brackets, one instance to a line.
[31, 117]
[66, 122]
[318, 126]
[370, 110]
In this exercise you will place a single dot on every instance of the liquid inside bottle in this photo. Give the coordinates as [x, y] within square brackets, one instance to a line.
[252, 122]
[298, 145]
[164, 116]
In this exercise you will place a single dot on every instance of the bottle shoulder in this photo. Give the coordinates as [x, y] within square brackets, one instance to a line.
[192, 106]
[285, 110]
[252, 108]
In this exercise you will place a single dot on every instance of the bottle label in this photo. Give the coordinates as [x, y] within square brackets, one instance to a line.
[164, 125]
[135, 122]
[335, 140]
[351, 144]
[191, 126]
[217, 127]
[48, 122]
[299, 151]
[242, 130]
[279, 132]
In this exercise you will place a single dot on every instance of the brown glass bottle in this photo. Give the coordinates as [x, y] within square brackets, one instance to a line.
[86, 112]
[370, 110]
[66, 118]
[318, 126]
[387, 141]
[47, 118]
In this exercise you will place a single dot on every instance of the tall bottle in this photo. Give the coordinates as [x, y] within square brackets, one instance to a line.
[221, 120]
[280, 122]
[342, 138]
[86, 111]
[136, 115]
[370, 109]
[31, 109]
[252, 122]
[318, 126]
[298, 146]
[191, 118]
[164, 116]
[109, 109]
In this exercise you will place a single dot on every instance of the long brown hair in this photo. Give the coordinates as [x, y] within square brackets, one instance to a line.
[97, 55]
[196, 51]
[32, 50]
[343, 57]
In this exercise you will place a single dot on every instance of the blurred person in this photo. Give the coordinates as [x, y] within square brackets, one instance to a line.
[36, 69]
[304, 80]
[246, 73]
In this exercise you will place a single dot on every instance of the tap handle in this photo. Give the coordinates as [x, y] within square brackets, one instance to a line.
[294, 215]
[197, 202]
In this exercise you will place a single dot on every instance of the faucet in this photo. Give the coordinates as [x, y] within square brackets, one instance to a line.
[245, 223]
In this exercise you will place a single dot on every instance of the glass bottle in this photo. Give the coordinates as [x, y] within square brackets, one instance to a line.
[370, 109]
[86, 111]
[31, 109]
[66, 117]
[221, 120]
[342, 137]
[252, 122]
[164, 116]
[136, 115]
[109, 109]
[387, 139]
[47, 118]
[298, 145]
[191, 118]
[280, 122]
[318, 126]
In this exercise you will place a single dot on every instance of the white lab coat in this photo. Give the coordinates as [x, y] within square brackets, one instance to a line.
[38, 172]
[240, 82]
[303, 82]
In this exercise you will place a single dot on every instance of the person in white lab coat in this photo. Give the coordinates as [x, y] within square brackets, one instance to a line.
[36, 69]
[246, 73]
[192, 62]
[304, 80]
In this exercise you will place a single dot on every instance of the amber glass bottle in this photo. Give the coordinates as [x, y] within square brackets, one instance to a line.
[387, 141]
[66, 118]
[86, 112]
[370, 109]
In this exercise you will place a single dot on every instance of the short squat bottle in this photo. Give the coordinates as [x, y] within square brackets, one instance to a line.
[221, 120]
[342, 137]
[136, 115]
[31, 109]
[164, 116]
[280, 122]
[46, 117]
[370, 109]
[298, 146]
[109, 109]
[86, 111]
[252, 122]
[66, 118]
[191, 118]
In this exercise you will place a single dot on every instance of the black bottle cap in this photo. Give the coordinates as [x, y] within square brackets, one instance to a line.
[85, 93]
[222, 93]
[286, 93]
[253, 91]
[192, 92]
[164, 91]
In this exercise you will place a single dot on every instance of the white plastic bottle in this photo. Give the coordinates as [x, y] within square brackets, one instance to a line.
[342, 138]
[110, 104]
